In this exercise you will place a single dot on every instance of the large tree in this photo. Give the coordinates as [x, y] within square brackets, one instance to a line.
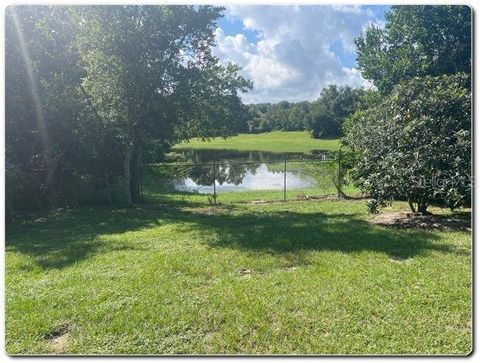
[150, 74]
[416, 41]
[90, 90]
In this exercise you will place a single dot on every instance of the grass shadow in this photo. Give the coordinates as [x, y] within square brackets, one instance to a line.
[285, 232]
[61, 238]
[67, 236]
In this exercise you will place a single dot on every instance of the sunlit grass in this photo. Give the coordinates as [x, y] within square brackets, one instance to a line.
[177, 275]
[275, 141]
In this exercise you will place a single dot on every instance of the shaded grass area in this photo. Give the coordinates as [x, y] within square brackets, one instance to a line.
[178, 275]
[275, 141]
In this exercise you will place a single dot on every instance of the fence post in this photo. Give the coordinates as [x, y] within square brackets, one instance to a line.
[285, 180]
[340, 181]
[214, 178]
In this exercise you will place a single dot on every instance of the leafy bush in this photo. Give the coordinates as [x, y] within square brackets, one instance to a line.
[416, 143]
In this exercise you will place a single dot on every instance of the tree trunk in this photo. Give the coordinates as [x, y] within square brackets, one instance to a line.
[412, 206]
[126, 176]
[422, 207]
[135, 177]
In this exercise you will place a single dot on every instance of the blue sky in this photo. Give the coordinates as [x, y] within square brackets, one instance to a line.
[233, 26]
[292, 52]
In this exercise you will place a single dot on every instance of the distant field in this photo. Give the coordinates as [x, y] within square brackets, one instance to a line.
[276, 141]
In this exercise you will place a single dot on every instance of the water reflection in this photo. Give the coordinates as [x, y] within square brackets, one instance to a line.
[235, 170]
[240, 177]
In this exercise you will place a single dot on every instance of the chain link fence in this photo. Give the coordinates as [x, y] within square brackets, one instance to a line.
[277, 180]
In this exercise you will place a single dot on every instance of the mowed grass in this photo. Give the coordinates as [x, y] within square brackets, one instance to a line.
[178, 275]
[275, 141]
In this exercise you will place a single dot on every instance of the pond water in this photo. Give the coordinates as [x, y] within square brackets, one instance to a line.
[242, 170]
[260, 178]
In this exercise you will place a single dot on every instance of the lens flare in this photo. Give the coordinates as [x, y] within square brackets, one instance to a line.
[32, 80]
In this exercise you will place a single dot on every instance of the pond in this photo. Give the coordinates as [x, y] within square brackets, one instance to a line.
[241, 170]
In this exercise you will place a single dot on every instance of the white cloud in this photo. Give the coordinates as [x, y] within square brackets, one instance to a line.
[292, 59]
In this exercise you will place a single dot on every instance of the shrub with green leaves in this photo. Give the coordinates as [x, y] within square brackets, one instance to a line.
[416, 144]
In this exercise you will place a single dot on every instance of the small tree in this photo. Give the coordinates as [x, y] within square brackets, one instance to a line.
[415, 144]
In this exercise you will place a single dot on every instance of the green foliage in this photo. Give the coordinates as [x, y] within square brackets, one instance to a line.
[416, 41]
[329, 173]
[150, 74]
[92, 90]
[416, 143]
[323, 117]
[373, 206]
[20, 190]
[283, 116]
[330, 110]
[50, 135]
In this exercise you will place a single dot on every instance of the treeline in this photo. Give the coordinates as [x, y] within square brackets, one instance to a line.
[322, 118]
[92, 92]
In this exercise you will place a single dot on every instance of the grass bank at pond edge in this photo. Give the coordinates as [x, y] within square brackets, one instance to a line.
[177, 275]
[275, 141]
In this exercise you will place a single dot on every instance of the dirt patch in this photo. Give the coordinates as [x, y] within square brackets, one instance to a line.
[59, 344]
[245, 272]
[399, 259]
[260, 202]
[58, 337]
[212, 211]
[418, 221]
[299, 197]
[302, 196]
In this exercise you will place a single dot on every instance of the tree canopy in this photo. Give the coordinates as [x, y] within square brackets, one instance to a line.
[426, 40]
[414, 141]
[92, 89]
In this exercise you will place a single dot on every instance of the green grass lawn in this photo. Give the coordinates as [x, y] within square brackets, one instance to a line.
[275, 141]
[178, 275]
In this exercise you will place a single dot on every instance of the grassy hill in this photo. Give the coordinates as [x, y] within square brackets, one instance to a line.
[275, 141]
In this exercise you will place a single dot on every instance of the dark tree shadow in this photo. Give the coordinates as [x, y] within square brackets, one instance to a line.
[59, 239]
[288, 233]
[68, 236]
